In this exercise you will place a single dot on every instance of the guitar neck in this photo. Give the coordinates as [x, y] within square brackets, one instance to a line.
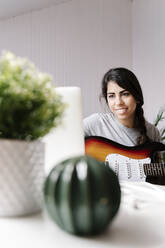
[154, 169]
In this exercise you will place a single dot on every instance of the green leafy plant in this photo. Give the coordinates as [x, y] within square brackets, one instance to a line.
[29, 104]
[159, 118]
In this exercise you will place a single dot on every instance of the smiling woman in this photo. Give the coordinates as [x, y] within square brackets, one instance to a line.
[125, 122]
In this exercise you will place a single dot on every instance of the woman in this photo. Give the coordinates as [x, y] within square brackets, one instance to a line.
[125, 122]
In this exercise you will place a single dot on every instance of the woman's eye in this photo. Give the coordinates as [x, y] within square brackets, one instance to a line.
[125, 94]
[110, 96]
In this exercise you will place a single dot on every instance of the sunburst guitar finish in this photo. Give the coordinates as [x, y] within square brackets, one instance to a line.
[134, 163]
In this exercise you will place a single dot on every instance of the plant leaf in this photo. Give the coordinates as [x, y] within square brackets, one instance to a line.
[159, 118]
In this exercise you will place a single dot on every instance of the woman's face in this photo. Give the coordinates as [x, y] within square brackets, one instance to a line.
[121, 103]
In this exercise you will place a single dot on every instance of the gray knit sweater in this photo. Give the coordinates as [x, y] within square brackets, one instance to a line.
[106, 125]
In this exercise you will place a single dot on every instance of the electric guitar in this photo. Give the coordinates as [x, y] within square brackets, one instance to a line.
[135, 163]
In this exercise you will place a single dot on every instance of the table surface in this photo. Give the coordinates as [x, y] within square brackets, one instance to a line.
[140, 223]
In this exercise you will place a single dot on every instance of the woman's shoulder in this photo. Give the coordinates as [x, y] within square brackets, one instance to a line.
[92, 116]
[152, 131]
[96, 117]
[149, 125]
[91, 120]
[94, 123]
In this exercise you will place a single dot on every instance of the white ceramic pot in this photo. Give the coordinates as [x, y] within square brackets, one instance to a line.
[21, 177]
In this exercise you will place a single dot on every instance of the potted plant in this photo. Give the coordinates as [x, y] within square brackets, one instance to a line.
[159, 118]
[158, 123]
[29, 108]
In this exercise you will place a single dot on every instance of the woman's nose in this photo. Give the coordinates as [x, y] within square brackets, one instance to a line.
[118, 100]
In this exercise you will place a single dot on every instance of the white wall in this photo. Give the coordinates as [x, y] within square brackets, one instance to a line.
[77, 42]
[149, 52]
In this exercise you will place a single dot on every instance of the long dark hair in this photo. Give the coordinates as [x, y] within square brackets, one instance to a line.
[126, 79]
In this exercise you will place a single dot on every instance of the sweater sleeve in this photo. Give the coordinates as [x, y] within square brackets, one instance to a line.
[86, 127]
[156, 135]
[153, 132]
[89, 124]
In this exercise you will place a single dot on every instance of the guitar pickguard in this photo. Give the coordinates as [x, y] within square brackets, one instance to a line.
[127, 168]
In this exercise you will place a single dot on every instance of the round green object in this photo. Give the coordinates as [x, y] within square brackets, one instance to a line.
[82, 195]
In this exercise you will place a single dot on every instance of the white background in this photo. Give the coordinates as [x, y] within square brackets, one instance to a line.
[77, 41]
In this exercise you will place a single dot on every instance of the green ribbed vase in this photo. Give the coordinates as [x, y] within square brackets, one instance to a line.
[82, 195]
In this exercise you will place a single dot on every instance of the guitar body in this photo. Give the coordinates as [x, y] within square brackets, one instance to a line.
[101, 148]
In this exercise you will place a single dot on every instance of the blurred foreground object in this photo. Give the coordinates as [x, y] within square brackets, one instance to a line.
[29, 108]
[29, 103]
[67, 140]
[82, 195]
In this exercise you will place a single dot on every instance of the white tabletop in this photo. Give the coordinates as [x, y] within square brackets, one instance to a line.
[140, 223]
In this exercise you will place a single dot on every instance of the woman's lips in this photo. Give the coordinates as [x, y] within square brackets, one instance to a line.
[121, 110]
